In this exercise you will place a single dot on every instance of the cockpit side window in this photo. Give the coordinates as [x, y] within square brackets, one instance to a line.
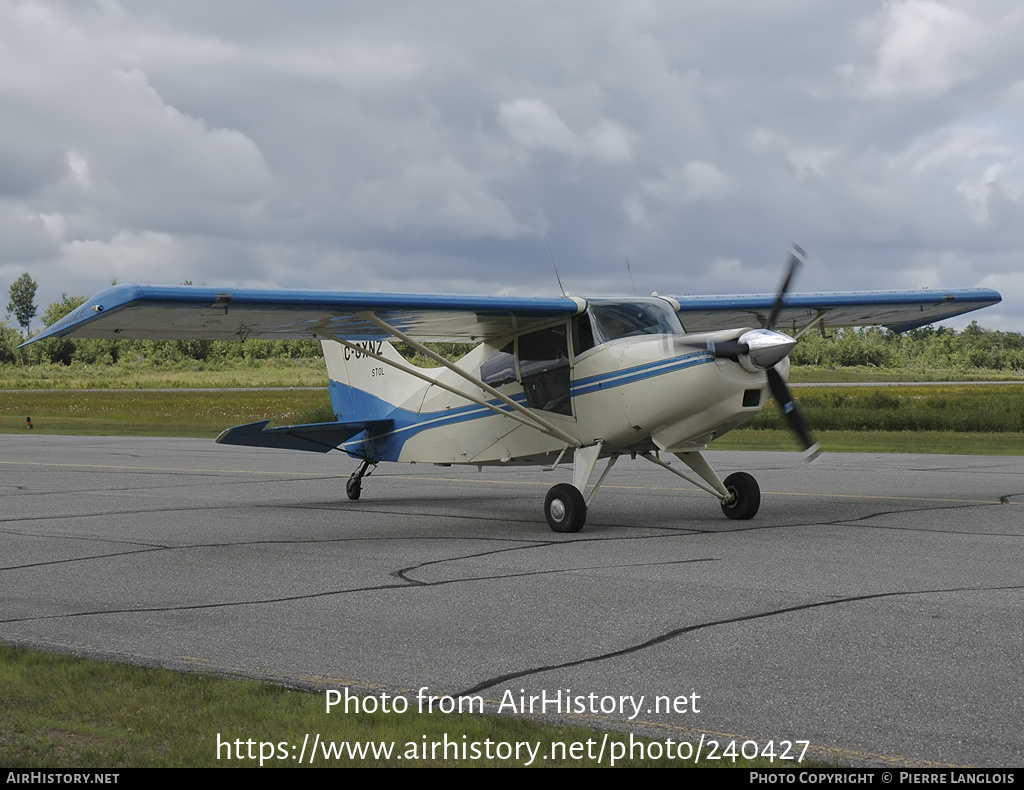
[612, 320]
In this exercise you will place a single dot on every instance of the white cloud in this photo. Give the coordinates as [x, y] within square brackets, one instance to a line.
[78, 167]
[441, 197]
[675, 188]
[27, 239]
[535, 126]
[399, 145]
[922, 49]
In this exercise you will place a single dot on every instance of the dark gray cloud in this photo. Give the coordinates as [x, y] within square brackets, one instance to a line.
[435, 146]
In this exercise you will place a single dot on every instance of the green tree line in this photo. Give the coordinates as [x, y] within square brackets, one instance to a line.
[65, 351]
[973, 348]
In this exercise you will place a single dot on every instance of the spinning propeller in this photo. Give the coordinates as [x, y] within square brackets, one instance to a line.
[764, 349]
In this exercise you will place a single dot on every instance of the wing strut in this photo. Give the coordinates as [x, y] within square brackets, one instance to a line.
[818, 319]
[520, 413]
[546, 427]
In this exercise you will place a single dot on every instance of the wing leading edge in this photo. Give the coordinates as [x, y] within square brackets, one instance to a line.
[201, 313]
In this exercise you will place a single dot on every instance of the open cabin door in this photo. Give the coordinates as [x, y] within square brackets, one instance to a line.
[539, 361]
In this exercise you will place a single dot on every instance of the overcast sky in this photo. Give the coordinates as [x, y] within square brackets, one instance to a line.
[435, 146]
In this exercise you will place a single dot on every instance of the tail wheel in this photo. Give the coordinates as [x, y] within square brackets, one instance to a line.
[746, 496]
[354, 484]
[565, 508]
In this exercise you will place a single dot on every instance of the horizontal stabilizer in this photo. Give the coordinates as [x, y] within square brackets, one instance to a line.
[319, 437]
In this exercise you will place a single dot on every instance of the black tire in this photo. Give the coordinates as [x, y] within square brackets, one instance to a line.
[747, 496]
[353, 488]
[565, 508]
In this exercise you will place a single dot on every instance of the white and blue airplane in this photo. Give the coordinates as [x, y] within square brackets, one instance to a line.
[552, 381]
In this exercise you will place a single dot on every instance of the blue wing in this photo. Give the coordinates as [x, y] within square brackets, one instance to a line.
[200, 313]
[897, 310]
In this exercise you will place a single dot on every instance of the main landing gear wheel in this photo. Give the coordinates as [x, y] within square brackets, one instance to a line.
[565, 508]
[746, 496]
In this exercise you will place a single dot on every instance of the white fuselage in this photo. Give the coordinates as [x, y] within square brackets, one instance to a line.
[628, 394]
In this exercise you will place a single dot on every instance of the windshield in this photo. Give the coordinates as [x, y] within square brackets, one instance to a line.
[614, 319]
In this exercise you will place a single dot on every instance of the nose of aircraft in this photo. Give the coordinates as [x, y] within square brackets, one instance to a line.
[766, 347]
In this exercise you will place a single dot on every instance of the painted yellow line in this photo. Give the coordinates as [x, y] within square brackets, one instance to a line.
[157, 468]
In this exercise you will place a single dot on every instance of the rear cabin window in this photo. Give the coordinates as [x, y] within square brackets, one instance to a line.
[544, 369]
[500, 368]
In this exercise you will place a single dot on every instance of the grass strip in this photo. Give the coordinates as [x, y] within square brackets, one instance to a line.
[811, 374]
[934, 442]
[948, 419]
[308, 372]
[59, 711]
[184, 413]
[957, 408]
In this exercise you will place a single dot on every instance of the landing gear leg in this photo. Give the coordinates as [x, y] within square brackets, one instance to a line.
[565, 505]
[354, 485]
[742, 494]
[739, 493]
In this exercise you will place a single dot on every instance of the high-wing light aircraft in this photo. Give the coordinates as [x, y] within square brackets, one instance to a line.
[552, 381]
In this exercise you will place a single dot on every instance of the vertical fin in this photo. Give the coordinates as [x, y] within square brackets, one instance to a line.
[364, 388]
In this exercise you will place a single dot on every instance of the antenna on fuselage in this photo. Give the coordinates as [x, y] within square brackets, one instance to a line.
[630, 276]
[551, 258]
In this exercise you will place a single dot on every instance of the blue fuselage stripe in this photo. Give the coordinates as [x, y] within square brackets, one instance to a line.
[409, 423]
[639, 373]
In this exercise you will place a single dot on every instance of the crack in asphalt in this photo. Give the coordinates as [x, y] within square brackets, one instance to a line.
[407, 581]
[859, 521]
[106, 513]
[676, 632]
[495, 577]
[230, 544]
[81, 559]
[402, 573]
[471, 547]
[408, 584]
[223, 480]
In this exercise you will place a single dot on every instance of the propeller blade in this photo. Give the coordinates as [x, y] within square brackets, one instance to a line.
[796, 257]
[796, 422]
